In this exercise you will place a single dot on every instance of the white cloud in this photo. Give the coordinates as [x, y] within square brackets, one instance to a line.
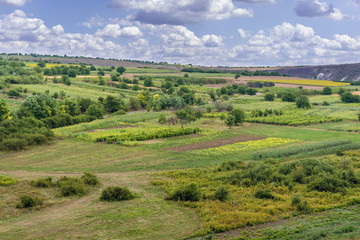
[243, 34]
[13, 2]
[212, 40]
[242, 12]
[176, 12]
[316, 8]
[114, 31]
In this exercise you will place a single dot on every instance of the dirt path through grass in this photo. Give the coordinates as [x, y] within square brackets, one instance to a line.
[148, 216]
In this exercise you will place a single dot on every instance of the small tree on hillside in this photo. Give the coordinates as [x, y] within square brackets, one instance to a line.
[120, 70]
[4, 110]
[269, 97]
[327, 91]
[230, 120]
[302, 102]
[185, 115]
[239, 116]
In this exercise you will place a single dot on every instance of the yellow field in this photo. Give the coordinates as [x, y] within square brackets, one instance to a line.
[48, 65]
[307, 82]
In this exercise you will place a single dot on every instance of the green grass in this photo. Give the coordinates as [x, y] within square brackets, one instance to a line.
[343, 223]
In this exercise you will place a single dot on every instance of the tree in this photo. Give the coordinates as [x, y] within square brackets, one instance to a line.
[239, 116]
[148, 82]
[72, 73]
[269, 97]
[66, 80]
[237, 75]
[327, 91]
[113, 104]
[302, 102]
[41, 106]
[185, 115]
[229, 120]
[288, 97]
[120, 70]
[95, 110]
[4, 110]
[251, 91]
[41, 64]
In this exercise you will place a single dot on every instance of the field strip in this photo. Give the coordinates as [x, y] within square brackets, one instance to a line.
[212, 144]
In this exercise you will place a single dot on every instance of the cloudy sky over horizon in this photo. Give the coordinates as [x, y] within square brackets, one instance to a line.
[205, 32]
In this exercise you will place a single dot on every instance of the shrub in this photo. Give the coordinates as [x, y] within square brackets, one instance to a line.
[302, 101]
[222, 194]
[190, 192]
[328, 183]
[269, 97]
[296, 200]
[264, 194]
[90, 179]
[239, 116]
[27, 201]
[116, 194]
[162, 119]
[71, 187]
[120, 112]
[6, 181]
[42, 182]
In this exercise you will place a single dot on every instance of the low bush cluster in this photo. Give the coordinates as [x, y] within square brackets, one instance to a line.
[27, 201]
[6, 181]
[68, 186]
[112, 194]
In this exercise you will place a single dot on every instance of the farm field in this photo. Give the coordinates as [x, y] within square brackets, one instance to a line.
[280, 172]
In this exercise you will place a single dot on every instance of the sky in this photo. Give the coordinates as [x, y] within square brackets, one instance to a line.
[200, 32]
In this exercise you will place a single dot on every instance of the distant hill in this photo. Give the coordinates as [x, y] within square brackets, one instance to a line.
[342, 72]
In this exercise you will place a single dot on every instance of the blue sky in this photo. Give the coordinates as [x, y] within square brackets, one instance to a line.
[205, 32]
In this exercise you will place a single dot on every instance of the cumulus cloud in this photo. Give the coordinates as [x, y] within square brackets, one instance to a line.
[178, 12]
[243, 34]
[114, 31]
[212, 40]
[242, 12]
[315, 8]
[288, 44]
[13, 2]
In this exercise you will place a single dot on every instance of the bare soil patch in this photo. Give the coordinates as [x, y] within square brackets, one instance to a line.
[102, 129]
[212, 144]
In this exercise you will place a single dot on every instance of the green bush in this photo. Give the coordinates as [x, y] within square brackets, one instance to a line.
[264, 194]
[120, 112]
[222, 194]
[27, 201]
[71, 187]
[90, 179]
[42, 182]
[162, 119]
[6, 181]
[190, 192]
[116, 194]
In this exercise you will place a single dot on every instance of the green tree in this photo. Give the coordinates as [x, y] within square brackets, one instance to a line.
[148, 82]
[239, 116]
[237, 75]
[230, 120]
[269, 97]
[302, 101]
[288, 97]
[41, 106]
[113, 104]
[4, 111]
[327, 91]
[120, 70]
[95, 110]
[185, 115]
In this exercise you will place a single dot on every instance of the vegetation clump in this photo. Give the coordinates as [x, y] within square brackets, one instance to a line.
[112, 194]
[27, 201]
[6, 181]
[190, 192]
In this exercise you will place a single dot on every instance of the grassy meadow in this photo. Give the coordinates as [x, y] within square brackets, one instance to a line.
[292, 175]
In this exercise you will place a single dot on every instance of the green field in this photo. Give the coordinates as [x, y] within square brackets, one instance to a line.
[309, 190]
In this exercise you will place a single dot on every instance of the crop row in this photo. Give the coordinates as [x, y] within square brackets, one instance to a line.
[293, 119]
[299, 149]
[146, 134]
[244, 146]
